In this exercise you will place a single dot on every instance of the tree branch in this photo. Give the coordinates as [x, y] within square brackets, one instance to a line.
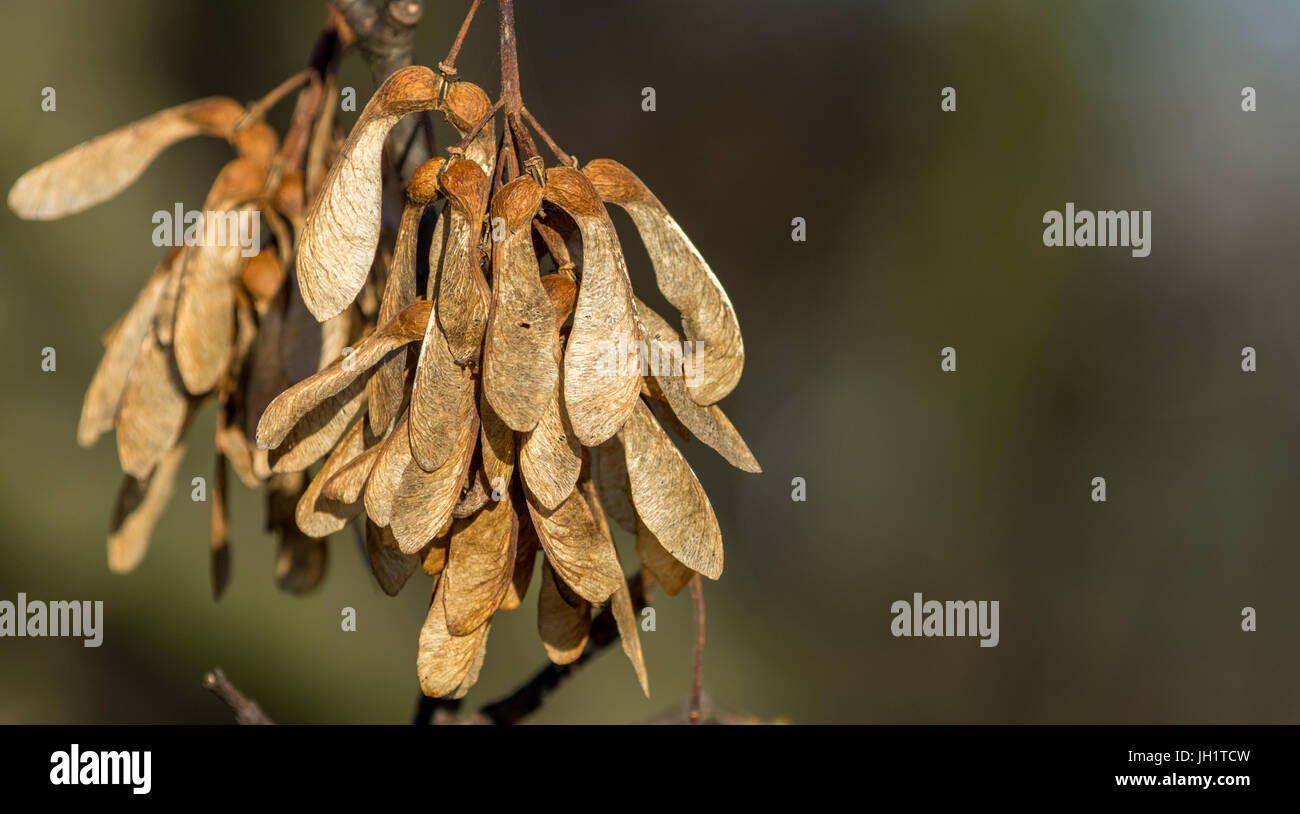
[247, 712]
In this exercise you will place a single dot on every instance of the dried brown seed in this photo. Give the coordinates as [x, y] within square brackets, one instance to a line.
[684, 278]
[497, 446]
[563, 293]
[444, 662]
[463, 294]
[519, 369]
[621, 602]
[423, 500]
[256, 141]
[525, 559]
[465, 104]
[391, 567]
[387, 387]
[667, 496]
[601, 368]
[300, 560]
[262, 277]
[104, 396]
[709, 424]
[317, 515]
[564, 628]
[434, 555]
[611, 480]
[154, 409]
[581, 557]
[386, 474]
[96, 170]
[319, 430]
[346, 484]
[549, 455]
[480, 566]
[291, 405]
[669, 573]
[476, 496]
[140, 502]
[339, 238]
[443, 390]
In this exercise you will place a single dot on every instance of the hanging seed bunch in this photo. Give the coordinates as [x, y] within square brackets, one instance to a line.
[496, 374]
[214, 320]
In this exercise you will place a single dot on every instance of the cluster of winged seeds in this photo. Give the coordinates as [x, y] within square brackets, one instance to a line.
[456, 406]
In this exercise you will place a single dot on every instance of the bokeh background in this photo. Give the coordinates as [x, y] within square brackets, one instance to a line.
[924, 231]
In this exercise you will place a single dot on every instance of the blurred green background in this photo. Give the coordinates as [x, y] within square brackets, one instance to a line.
[924, 231]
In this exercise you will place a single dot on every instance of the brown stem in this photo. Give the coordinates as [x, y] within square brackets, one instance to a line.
[449, 64]
[697, 669]
[246, 710]
[510, 93]
[564, 157]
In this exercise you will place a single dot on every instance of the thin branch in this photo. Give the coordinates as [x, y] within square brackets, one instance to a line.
[564, 157]
[246, 710]
[529, 697]
[448, 65]
[697, 669]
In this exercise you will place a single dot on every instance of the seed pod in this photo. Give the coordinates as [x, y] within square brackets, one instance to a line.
[475, 497]
[319, 430]
[154, 410]
[442, 391]
[564, 628]
[394, 457]
[684, 278]
[668, 498]
[346, 484]
[318, 516]
[576, 550]
[709, 424]
[391, 567]
[140, 502]
[463, 295]
[434, 555]
[599, 395]
[480, 566]
[104, 396]
[519, 369]
[386, 385]
[262, 277]
[423, 501]
[621, 602]
[611, 480]
[342, 230]
[444, 663]
[465, 104]
[96, 170]
[669, 573]
[525, 557]
[550, 456]
[300, 560]
[290, 406]
[497, 446]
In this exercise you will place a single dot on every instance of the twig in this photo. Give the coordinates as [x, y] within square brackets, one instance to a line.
[246, 710]
[529, 697]
[564, 157]
[697, 670]
[448, 65]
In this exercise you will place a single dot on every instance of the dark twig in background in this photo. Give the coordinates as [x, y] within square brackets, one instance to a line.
[246, 710]
[697, 669]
